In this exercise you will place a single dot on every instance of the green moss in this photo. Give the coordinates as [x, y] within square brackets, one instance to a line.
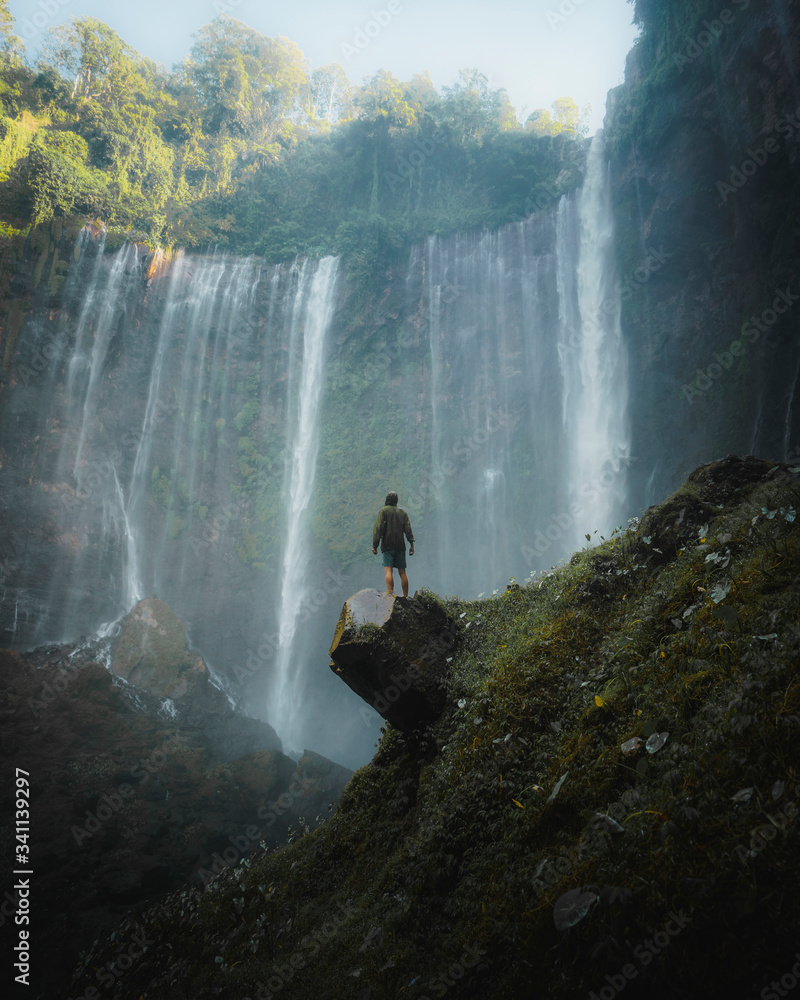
[176, 526]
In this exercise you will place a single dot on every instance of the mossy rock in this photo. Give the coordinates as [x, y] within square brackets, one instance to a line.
[151, 652]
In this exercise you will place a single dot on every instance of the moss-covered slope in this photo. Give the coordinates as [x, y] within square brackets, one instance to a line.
[457, 861]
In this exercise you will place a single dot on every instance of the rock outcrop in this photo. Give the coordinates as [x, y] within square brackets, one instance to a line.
[393, 653]
[131, 800]
[152, 652]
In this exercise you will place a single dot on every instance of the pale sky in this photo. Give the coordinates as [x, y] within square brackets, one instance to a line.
[538, 50]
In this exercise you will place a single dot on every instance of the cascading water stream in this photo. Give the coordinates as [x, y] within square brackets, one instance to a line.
[314, 304]
[502, 387]
[594, 361]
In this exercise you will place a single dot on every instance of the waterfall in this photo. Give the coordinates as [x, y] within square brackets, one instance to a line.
[313, 309]
[197, 425]
[594, 364]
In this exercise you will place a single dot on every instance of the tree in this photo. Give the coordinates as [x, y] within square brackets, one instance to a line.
[383, 96]
[249, 86]
[7, 38]
[330, 95]
[94, 57]
[474, 110]
[567, 118]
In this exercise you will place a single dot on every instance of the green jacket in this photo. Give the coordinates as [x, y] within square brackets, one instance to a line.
[390, 526]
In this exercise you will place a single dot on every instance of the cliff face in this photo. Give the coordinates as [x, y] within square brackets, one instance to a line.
[704, 138]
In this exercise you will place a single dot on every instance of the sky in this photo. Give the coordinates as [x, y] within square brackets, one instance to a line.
[538, 50]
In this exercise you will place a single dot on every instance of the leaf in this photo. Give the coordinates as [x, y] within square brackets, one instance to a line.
[602, 821]
[743, 795]
[656, 742]
[375, 934]
[649, 728]
[632, 745]
[518, 804]
[599, 701]
[641, 767]
[727, 614]
[557, 788]
[720, 592]
[571, 907]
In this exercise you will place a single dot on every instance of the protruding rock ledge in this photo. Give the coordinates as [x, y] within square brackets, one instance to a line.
[392, 652]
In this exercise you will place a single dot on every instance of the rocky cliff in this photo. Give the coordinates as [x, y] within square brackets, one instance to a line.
[704, 138]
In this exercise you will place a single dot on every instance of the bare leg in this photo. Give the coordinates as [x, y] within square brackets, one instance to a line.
[389, 579]
[404, 581]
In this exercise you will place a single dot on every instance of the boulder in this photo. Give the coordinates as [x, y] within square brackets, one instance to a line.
[152, 653]
[393, 653]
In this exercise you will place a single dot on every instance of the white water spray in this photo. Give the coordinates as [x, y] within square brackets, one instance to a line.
[314, 305]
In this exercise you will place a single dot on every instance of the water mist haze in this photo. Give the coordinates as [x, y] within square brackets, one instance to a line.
[184, 450]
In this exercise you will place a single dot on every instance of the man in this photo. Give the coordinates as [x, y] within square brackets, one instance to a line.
[391, 525]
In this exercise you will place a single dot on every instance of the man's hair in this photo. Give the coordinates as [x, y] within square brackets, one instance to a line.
[391, 499]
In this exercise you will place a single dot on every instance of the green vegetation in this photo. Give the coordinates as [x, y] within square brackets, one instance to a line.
[243, 146]
[683, 51]
[515, 846]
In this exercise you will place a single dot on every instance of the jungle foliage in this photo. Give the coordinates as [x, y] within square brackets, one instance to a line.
[244, 146]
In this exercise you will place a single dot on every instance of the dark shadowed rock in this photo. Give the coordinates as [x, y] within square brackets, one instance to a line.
[392, 652]
[131, 802]
[152, 652]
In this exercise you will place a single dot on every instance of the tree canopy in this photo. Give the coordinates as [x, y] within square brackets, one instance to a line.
[243, 145]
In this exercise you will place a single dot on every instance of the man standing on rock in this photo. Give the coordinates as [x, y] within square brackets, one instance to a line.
[391, 525]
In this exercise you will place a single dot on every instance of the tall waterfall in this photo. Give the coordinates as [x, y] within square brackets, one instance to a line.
[220, 433]
[527, 385]
[313, 309]
[592, 352]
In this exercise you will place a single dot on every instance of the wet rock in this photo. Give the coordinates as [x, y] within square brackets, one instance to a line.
[392, 652]
[152, 652]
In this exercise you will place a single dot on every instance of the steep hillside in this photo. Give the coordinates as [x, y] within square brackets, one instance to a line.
[608, 801]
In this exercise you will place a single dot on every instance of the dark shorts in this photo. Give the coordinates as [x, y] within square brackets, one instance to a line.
[395, 558]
